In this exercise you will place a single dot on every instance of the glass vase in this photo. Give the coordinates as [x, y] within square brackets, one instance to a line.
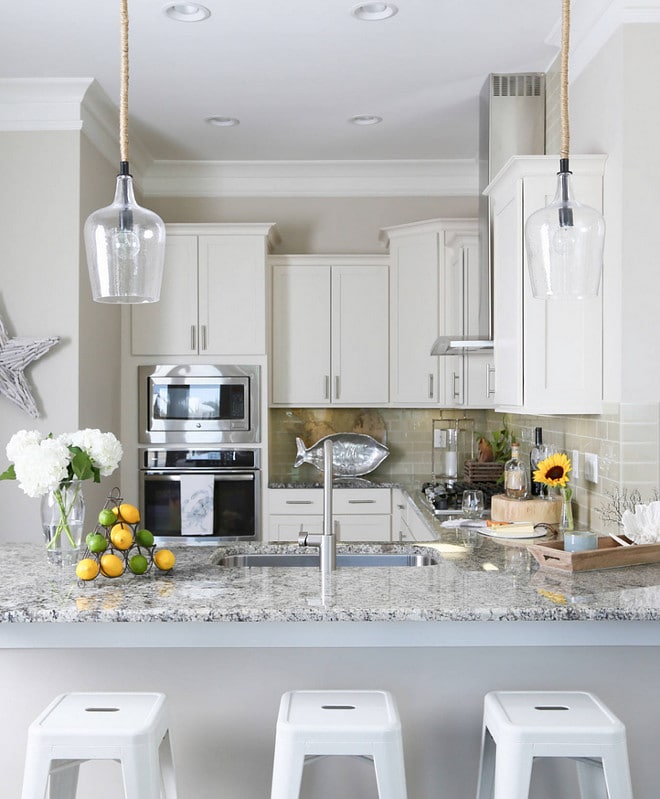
[62, 521]
[566, 524]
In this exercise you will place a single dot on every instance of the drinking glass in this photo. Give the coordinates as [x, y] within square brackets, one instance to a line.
[473, 503]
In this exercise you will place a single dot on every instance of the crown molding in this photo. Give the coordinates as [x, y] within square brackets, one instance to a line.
[594, 22]
[435, 178]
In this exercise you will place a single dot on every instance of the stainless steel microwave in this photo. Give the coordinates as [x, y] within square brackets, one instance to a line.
[199, 404]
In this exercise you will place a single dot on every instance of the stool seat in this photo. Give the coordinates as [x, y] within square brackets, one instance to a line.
[521, 725]
[76, 727]
[362, 723]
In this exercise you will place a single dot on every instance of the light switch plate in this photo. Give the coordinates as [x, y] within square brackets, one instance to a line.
[591, 467]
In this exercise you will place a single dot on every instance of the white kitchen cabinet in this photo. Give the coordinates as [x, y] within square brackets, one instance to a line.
[213, 296]
[362, 514]
[330, 329]
[437, 287]
[548, 353]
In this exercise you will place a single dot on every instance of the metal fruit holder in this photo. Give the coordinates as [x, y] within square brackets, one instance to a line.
[113, 501]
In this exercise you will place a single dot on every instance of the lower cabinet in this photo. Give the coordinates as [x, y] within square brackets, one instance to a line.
[407, 524]
[363, 514]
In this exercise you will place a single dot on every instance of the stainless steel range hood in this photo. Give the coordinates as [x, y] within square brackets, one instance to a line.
[446, 345]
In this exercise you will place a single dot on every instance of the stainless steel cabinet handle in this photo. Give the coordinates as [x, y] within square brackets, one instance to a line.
[490, 385]
[299, 502]
[336, 386]
[193, 337]
[430, 386]
[203, 337]
[361, 501]
[326, 390]
[456, 394]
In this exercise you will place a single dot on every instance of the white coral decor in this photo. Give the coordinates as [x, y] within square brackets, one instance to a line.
[643, 525]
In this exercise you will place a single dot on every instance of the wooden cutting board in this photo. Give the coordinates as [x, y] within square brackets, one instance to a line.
[506, 509]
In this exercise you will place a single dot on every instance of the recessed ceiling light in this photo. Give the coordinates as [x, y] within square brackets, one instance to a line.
[186, 12]
[365, 119]
[374, 11]
[223, 122]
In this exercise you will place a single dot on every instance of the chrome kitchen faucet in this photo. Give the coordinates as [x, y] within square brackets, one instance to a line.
[326, 540]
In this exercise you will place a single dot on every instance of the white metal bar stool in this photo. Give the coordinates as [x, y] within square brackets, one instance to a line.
[521, 725]
[129, 727]
[363, 723]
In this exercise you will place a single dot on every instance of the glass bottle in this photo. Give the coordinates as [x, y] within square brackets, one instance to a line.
[537, 454]
[516, 479]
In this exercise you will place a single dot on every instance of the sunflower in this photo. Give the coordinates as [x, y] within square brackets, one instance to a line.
[553, 470]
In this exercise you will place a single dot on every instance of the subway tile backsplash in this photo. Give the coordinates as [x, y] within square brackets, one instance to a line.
[624, 437]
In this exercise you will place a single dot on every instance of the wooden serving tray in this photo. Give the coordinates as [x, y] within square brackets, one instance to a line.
[609, 555]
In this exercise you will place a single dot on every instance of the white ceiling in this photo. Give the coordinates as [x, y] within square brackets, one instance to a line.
[292, 71]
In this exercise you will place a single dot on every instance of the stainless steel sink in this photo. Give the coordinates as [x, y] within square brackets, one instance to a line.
[344, 559]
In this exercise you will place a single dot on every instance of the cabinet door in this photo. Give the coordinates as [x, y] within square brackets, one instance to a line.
[414, 319]
[288, 528]
[363, 528]
[232, 293]
[301, 334]
[508, 298]
[360, 335]
[169, 327]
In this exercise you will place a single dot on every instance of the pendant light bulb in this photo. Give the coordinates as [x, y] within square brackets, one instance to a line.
[125, 243]
[565, 240]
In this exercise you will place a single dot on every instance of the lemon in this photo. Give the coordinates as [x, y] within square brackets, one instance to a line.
[128, 513]
[107, 517]
[138, 564]
[164, 559]
[145, 538]
[121, 536]
[96, 542]
[87, 569]
[111, 565]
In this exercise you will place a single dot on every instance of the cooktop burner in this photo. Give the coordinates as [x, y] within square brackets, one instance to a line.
[446, 496]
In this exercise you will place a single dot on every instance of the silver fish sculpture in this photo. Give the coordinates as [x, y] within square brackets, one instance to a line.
[353, 454]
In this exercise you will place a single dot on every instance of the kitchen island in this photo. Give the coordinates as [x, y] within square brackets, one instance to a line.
[225, 643]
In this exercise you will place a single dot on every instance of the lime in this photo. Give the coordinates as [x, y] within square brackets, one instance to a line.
[111, 565]
[96, 542]
[164, 559]
[121, 536]
[129, 513]
[107, 517]
[87, 569]
[145, 538]
[138, 564]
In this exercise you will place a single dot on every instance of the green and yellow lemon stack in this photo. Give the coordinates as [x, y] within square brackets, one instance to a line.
[117, 545]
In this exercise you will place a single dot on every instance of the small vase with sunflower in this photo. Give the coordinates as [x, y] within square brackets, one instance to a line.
[553, 472]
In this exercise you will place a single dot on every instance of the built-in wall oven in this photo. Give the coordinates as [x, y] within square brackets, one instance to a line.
[199, 496]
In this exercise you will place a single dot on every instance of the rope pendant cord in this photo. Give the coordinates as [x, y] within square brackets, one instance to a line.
[123, 96]
[563, 79]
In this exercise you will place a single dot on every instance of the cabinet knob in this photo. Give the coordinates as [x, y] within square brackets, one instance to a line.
[456, 393]
[193, 337]
[203, 337]
[326, 389]
[336, 387]
[430, 386]
[490, 384]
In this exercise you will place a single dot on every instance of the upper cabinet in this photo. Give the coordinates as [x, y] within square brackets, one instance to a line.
[548, 353]
[437, 287]
[213, 294]
[330, 328]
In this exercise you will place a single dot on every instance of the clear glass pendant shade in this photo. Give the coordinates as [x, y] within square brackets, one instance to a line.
[565, 243]
[125, 246]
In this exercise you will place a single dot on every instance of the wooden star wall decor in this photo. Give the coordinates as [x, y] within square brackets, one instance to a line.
[15, 355]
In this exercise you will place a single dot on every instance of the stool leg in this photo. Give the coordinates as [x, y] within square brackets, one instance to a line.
[390, 773]
[64, 779]
[617, 773]
[35, 774]
[141, 773]
[288, 763]
[591, 779]
[513, 771]
[168, 775]
[486, 782]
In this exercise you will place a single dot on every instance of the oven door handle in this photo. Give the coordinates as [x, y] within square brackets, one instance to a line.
[224, 476]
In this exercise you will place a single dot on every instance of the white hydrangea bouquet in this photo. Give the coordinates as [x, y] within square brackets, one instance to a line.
[44, 464]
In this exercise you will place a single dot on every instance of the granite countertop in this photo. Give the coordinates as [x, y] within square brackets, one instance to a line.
[476, 579]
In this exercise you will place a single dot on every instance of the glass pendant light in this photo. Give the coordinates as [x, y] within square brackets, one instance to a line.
[125, 243]
[565, 239]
